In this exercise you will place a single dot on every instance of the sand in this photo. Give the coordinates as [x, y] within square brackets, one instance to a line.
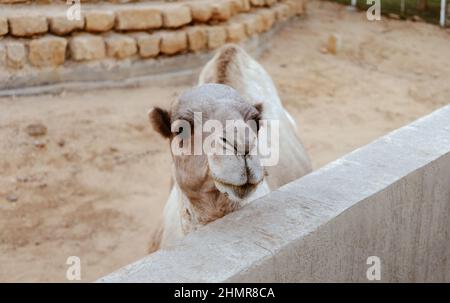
[95, 184]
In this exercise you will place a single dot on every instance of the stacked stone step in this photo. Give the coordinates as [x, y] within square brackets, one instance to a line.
[42, 36]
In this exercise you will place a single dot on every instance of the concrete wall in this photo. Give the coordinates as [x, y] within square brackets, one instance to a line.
[389, 199]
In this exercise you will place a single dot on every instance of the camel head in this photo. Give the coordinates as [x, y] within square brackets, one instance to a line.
[213, 136]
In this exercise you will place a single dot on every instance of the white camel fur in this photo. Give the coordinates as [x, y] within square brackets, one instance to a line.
[232, 85]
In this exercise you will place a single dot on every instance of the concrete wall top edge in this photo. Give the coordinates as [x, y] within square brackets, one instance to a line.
[231, 246]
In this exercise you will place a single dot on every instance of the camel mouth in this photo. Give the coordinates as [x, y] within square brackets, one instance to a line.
[236, 192]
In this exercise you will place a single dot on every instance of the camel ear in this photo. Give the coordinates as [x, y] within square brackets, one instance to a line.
[259, 107]
[160, 120]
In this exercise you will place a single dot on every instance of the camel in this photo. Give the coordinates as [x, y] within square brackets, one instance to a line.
[231, 86]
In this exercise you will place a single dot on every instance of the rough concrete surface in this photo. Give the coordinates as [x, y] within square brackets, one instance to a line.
[389, 199]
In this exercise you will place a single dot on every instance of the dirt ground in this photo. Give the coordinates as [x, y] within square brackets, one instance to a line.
[95, 184]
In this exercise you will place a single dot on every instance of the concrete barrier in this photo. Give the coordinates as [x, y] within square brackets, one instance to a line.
[389, 199]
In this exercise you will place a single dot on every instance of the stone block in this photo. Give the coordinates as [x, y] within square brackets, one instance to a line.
[148, 44]
[173, 42]
[138, 19]
[259, 23]
[236, 6]
[99, 21]
[47, 51]
[2, 55]
[257, 2]
[217, 36]
[176, 16]
[282, 12]
[197, 38]
[221, 10]
[200, 11]
[3, 26]
[268, 17]
[16, 54]
[246, 5]
[87, 47]
[27, 25]
[60, 25]
[236, 32]
[120, 46]
[251, 25]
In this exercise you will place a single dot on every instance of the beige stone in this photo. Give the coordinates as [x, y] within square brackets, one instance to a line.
[176, 16]
[120, 46]
[200, 11]
[138, 19]
[251, 25]
[173, 42]
[2, 55]
[87, 47]
[281, 12]
[16, 53]
[3, 26]
[236, 6]
[394, 16]
[333, 43]
[99, 21]
[260, 24]
[217, 36]
[148, 44]
[27, 25]
[221, 10]
[247, 5]
[257, 2]
[197, 38]
[47, 51]
[301, 7]
[60, 25]
[236, 32]
[270, 2]
[292, 7]
[269, 18]
[12, 1]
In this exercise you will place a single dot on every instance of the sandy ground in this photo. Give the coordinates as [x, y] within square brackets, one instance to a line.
[97, 186]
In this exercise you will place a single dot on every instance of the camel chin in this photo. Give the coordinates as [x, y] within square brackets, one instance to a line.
[236, 193]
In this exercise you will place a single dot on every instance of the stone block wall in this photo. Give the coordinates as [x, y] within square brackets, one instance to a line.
[39, 36]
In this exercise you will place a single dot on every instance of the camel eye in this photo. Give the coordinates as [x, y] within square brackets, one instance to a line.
[183, 132]
[181, 127]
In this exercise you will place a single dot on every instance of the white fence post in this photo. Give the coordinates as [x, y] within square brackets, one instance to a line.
[442, 19]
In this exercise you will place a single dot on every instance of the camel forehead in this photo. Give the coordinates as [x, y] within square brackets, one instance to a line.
[210, 91]
[214, 101]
